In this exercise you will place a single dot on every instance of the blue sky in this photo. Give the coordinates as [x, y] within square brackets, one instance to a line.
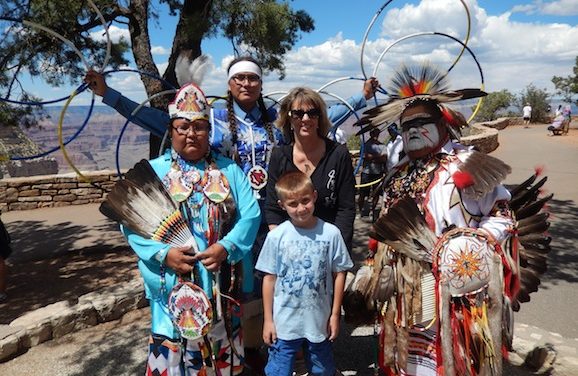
[516, 42]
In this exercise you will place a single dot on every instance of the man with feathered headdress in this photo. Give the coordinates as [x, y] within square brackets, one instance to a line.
[444, 271]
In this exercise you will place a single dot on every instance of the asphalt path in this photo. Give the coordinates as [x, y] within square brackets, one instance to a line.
[120, 347]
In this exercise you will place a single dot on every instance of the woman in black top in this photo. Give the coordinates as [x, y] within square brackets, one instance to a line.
[303, 120]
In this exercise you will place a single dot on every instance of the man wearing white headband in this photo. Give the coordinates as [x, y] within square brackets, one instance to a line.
[244, 66]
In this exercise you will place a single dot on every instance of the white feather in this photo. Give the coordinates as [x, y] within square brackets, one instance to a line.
[188, 71]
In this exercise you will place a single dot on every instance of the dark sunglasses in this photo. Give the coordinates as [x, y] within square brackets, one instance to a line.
[314, 113]
[419, 122]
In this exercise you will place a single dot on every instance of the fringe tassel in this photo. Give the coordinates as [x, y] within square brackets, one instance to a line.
[472, 339]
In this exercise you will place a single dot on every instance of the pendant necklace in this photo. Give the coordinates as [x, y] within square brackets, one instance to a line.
[257, 175]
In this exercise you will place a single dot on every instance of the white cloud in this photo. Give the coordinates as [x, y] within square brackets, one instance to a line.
[160, 50]
[561, 8]
[551, 8]
[524, 8]
[512, 54]
[114, 32]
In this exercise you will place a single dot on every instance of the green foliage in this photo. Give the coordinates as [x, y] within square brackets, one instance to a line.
[567, 86]
[27, 49]
[265, 29]
[23, 115]
[538, 99]
[37, 52]
[354, 142]
[494, 105]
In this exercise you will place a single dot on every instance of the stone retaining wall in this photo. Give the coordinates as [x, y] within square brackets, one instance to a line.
[486, 141]
[35, 192]
[27, 193]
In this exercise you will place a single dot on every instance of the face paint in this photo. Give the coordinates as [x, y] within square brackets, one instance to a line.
[425, 136]
[420, 134]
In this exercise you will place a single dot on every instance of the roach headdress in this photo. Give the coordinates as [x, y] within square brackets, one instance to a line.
[409, 85]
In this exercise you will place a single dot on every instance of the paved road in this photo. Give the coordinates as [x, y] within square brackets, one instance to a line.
[554, 306]
[120, 347]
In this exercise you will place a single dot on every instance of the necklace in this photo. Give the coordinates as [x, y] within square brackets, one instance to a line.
[257, 175]
[307, 162]
[185, 178]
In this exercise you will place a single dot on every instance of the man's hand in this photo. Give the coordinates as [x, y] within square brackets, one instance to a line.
[212, 257]
[96, 82]
[370, 87]
[180, 259]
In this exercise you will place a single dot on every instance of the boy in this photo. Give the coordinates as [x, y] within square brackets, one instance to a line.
[305, 260]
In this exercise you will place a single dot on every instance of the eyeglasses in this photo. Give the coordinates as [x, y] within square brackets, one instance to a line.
[252, 79]
[197, 129]
[314, 113]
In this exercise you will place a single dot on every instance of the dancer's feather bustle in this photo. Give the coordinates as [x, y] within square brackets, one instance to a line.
[533, 208]
[487, 172]
[523, 185]
[359, 309]
[141, 203]
[532, 224]
[523, 197]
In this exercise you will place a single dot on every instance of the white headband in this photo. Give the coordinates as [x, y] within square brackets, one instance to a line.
[244, 66]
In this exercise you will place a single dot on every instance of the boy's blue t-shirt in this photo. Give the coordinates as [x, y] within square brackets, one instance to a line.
[303, 260]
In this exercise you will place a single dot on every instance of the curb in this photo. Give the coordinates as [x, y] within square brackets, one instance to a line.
[58, 319]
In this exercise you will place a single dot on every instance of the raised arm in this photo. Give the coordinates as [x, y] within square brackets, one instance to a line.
[149, 118]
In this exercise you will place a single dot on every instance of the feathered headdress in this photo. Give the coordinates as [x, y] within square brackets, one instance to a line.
[424, 83]
[190, 102]
[141, 203]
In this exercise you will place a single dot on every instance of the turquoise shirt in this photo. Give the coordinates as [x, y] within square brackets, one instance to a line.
[238, 243]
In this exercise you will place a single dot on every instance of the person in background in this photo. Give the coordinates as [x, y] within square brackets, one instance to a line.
[527, 114]
[557, 126]
[305, 261]
[207, 186]
[374, 159]
[567, 113]
[5, 251]
[303, 119]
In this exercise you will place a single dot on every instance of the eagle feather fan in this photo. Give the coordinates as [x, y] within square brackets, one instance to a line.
[141, 203]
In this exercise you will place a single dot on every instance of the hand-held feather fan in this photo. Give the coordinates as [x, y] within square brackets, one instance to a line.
[141, 203]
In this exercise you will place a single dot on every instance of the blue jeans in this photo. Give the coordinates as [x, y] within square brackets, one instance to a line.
[318, 357]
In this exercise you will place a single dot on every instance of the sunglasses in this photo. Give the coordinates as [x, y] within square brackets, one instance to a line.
[314, 113]
[419, 122]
